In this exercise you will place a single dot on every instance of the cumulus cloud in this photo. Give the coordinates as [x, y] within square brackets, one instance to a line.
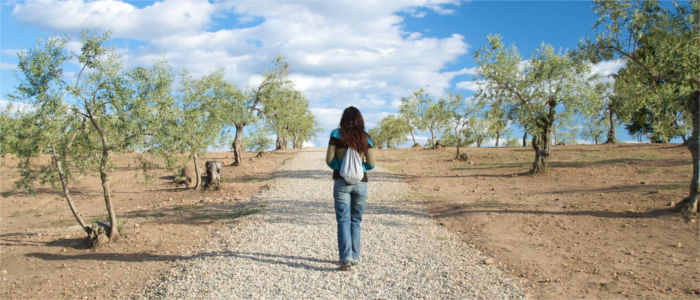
[15, 107]
[10, 52]
[607, 67]
[340, 52]
[124, 19]
[6, 66]
[468, 85]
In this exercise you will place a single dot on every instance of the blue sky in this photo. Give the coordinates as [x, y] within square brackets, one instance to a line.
[340, 53]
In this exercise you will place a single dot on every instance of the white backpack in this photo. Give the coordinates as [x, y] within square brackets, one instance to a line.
[351, 168]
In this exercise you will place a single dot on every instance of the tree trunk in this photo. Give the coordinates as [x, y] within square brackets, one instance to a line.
[525, 139]
[282, 142]
[237, 148]
[458, 142]
[104, 175]
[66, 192]
[539, 165]
[285, 142]
[611, 130]
[542, 144]
[498, 137]
[198, 179]
[412, 137]
[432, 138]
[213, 175]
[106, 189]
[690, 204]
[296, 141]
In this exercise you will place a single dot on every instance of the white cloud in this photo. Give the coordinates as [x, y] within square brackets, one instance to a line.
[468, 85]
[10, 52]
[328, 118]
[607, 67]
[340, 53]
[16, 107]
[6, 66]
[125, 20]
[308, 144]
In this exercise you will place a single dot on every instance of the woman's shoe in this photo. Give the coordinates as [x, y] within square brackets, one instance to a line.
[345, 265]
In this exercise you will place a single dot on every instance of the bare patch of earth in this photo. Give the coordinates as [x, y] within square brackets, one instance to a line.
[599, 224]
[42, 250]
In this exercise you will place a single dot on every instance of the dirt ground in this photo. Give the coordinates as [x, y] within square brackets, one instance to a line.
[42, 253]
[599, 224]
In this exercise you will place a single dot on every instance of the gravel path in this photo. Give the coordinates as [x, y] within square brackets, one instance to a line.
[289, 249]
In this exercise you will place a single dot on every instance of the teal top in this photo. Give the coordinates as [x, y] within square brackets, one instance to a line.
[334, 161]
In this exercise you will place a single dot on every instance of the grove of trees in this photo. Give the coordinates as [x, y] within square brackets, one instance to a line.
[656, 93]
[105, 109]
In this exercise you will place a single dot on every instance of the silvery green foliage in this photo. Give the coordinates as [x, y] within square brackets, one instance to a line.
[535, 93]
[659, 47]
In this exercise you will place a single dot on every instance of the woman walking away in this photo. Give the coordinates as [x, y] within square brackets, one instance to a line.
[348, 194]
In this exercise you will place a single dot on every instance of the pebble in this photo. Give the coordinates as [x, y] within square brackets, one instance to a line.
[289, 249]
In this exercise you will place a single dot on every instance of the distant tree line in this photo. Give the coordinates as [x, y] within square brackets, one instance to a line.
[105, 109]
[655, 94]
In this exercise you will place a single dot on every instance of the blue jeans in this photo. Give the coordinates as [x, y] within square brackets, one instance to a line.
[349, 207]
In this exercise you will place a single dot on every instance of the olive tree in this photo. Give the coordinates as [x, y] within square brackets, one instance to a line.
[662, 61]
[458, 113]
[548, 82]
[244, 110]
[288, 115]
[414, 109]
[121, 107]
[52, 128]
[81, 123]
[392, 131]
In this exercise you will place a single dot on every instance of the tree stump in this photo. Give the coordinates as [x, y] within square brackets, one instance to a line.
[465, 157]
[213, 175]
[439, 144]
[97, 234]
[189, 176]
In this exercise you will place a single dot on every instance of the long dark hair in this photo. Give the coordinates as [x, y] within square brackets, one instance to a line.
[352, 130]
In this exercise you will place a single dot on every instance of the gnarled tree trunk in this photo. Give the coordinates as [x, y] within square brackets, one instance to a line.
[282, 143]
[237, 148]
[542, 143]
[198, 177]
[611, 130]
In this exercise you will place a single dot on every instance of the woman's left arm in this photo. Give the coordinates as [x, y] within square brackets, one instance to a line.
[369, 156]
